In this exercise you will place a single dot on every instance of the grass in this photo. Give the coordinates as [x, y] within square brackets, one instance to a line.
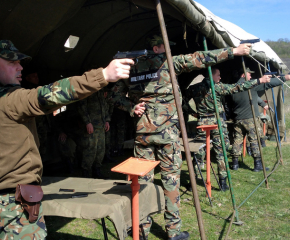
[266, 214]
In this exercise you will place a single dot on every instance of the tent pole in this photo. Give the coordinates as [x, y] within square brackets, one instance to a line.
[276, 117]
[181, 120]
[273, 122]
[222, 138]
[256, 126]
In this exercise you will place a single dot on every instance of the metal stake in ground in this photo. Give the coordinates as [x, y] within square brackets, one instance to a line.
[254, 117]
[181, 120]
[272, 119]
[237, 222]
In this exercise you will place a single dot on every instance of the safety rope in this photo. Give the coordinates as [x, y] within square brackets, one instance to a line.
[268, 70]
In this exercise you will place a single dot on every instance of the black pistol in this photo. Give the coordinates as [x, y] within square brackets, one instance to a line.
[250, 41]
[271, 109]
[132, 55]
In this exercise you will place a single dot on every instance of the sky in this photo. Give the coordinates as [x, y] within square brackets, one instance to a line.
[266, 19]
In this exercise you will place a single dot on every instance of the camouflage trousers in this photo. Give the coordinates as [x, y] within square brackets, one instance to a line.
[241, 129]
[165, 147]
[260, 130]
[108, 142]
[14, 224]
[216, 142]
[93, 149]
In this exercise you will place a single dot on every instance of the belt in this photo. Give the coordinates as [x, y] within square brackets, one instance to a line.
[7, 191]
[221, 115]
[13, 190]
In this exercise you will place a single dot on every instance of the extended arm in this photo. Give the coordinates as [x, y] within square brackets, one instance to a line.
[22, 103]
[204, 59]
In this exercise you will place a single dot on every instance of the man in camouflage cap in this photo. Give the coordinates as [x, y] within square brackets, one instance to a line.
[20, 162]
[202, 95]
[157, 132]
[156, 40]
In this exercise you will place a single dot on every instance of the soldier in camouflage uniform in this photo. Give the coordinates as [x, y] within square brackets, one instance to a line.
[263, 137]
[157, 133]
[95, 119]
[108, 139]
[20, 162]
[244, 122]
[202, 95]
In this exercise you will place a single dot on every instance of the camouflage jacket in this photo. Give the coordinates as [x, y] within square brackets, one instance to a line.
[150, 82]
[20, 162]
[202, 95]
[93, 110]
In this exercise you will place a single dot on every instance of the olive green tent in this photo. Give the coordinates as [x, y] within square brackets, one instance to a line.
[41, 28]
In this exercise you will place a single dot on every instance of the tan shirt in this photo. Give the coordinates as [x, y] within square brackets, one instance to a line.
[20, 162]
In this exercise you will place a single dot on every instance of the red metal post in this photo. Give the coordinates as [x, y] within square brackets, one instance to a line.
[135, 186]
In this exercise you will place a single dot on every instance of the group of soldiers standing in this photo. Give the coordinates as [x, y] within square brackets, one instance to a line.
[147, 95]
[86, 133]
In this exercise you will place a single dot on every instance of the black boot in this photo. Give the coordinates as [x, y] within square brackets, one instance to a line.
[223, 183]
[141, 237]
[181, 236]
[235, 163]
[249, 151]
[263, 143]
[85, 173]
[98, 174]
[258, 165]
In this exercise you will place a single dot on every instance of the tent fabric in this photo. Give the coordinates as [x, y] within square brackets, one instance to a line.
[40, 29]
[223, 33]
[105, 199]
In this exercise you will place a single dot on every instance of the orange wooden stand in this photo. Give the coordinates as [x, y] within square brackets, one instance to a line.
[244, 146]
[135, 167]
[207, 128]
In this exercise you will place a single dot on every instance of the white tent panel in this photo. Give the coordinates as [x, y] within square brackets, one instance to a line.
[234, 34]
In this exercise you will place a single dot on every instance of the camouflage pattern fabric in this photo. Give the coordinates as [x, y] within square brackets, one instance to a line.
[225, 133]
[202, 95]
[165, 147]
[93, 149]
[241, 128]
[156, 40]
[14, 222]
[150, 82]
[260, 130]
[216, 142]
[54, 93]
[9, 52]
[93, 110]
[109, 111]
